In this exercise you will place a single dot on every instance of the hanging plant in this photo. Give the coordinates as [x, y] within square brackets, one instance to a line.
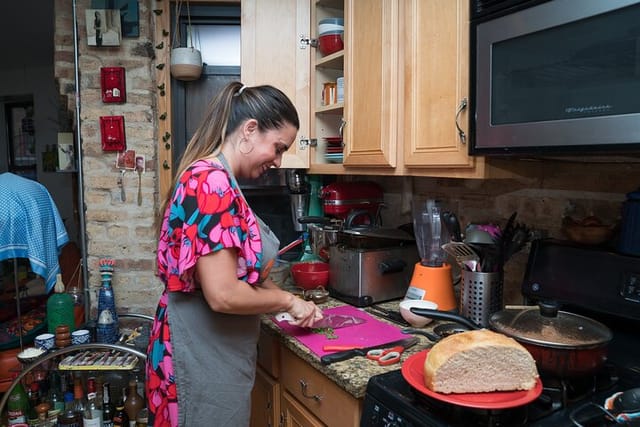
[186, 62]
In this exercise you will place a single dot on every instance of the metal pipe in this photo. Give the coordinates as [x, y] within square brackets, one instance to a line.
[81, 214]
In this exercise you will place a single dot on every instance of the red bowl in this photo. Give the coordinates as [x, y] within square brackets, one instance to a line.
[330, 43]
[310, 275]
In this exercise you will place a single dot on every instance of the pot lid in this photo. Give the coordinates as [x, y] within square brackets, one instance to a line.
[379, 233]
[564, 330]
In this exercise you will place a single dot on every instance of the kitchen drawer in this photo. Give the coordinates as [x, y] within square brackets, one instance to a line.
[269, 353]
[321, 396]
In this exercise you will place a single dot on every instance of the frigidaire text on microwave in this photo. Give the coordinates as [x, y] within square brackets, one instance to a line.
[555, 76]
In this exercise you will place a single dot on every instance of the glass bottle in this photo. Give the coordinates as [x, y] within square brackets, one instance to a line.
[60, 308]
[54, 395]
[18, 406]
[142, 420]
[69, 418]
[107, 328]
[108, 411]
[92, 415]
[134, 403]
[120, 417]
[77, 296]
[79, 401]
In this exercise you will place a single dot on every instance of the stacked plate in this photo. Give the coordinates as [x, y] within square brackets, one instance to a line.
[333, 152]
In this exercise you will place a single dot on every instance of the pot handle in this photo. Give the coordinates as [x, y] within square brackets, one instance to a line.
[445, 315]
[314, 220]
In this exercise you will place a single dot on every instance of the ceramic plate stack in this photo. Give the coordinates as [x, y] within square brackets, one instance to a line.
[333, 152]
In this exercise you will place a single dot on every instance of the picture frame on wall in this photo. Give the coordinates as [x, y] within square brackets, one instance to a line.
[103, 27]
[129, 14]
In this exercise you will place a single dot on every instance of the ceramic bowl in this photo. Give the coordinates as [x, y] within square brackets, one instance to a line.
[81, 336]
[310, 275]
[30, 355]
[44, 341]
[330, 43]
[413, 319]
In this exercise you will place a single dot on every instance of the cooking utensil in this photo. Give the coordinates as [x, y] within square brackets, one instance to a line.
[464, 254]
[391, 315]
[334, 321]
[413, 373]
[348, 354]
[452, 225]
[564, 345]
[414, 331]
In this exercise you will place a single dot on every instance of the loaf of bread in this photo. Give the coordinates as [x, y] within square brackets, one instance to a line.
[479, 361]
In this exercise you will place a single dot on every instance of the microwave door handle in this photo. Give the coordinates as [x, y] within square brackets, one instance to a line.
[461, 134]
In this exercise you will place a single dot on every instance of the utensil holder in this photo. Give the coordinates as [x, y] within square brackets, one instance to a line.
[480, 295]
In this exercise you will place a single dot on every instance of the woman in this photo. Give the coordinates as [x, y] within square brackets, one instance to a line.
[212, 255]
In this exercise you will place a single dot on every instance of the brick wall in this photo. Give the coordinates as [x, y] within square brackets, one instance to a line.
[118, 229]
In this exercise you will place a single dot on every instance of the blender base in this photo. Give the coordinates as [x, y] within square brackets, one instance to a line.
[433, 284]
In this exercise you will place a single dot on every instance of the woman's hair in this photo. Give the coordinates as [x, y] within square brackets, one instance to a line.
[231, 107]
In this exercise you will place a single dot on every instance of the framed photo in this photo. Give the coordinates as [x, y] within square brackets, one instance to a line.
[126, 160]
[66, 153]
[129, 14]
[103, 27]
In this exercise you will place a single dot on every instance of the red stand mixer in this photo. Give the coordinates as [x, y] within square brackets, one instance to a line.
[431, 279]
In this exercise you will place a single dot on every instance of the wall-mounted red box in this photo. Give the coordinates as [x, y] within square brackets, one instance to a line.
[112, 83]
[112, 131]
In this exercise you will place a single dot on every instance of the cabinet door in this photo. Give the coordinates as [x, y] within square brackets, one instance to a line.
[265, 400]
[436, 81]
[295, 415]
[371, 83]
[272, 54]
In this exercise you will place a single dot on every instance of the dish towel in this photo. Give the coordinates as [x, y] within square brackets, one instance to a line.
[31, 226]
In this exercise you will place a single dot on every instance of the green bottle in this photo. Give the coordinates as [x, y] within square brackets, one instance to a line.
[18, 406]
[60, 308]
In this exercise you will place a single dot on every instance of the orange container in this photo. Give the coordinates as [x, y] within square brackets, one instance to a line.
[433, 284]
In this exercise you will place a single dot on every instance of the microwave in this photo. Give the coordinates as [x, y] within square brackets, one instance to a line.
[554, 76]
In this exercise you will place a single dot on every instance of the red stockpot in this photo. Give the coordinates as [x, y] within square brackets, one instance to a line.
[563, 344]
[341, 198]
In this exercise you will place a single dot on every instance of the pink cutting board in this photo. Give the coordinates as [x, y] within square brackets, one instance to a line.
[371, 332]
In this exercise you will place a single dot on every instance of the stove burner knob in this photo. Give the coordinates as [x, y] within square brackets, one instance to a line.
[628, 401]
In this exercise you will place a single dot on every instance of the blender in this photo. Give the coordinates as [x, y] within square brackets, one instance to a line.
[299, 193]
[431, 279]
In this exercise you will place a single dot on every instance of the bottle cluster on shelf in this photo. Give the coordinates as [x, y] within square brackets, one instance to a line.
[50, 397]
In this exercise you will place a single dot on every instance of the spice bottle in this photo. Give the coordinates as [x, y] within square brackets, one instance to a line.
[60, 308]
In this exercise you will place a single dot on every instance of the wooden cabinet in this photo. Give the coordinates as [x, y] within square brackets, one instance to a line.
[406, 82]
[294, 393]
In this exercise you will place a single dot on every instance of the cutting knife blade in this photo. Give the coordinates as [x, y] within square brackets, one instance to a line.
[345, 355]
[334, 321]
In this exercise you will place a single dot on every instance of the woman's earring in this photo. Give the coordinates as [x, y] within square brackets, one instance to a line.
[246, 143]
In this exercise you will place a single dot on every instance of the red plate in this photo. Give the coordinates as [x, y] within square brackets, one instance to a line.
[413, 372]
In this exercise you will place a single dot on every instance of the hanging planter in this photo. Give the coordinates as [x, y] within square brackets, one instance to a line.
[186, 62]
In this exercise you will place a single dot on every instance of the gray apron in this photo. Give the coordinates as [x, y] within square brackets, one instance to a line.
[214, 354]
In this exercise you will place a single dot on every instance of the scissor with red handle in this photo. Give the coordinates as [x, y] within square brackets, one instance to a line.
[386, 356]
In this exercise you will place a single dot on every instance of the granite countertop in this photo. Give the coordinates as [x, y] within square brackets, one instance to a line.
[352, 375]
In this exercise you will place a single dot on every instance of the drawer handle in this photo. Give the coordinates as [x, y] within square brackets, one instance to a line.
[303, 390]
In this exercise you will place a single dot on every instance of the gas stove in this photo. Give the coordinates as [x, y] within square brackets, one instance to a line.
[602, 285]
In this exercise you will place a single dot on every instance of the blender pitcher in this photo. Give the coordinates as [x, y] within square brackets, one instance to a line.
[431, 279]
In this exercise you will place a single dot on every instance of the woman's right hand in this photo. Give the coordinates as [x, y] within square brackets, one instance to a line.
[305, 313]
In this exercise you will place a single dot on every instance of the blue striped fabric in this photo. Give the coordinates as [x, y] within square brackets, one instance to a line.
[30, 226]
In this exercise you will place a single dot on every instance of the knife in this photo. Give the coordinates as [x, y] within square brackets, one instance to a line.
[334, 321]
[345, 355]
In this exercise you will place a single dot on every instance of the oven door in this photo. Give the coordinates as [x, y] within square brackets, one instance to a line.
[557, 75]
